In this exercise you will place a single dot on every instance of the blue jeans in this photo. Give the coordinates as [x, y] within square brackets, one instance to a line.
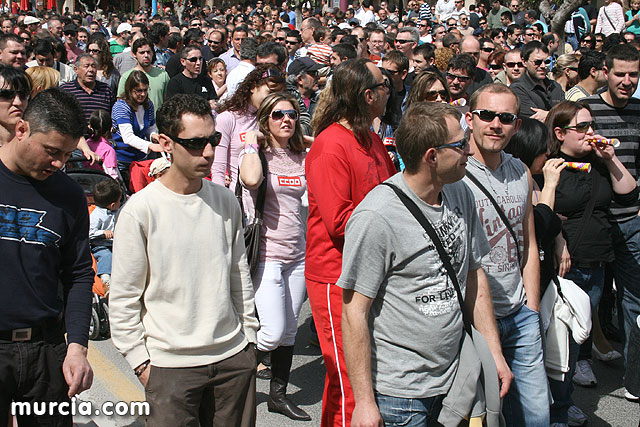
[103, 256]
[400, 411]
[626, 244]
[590, 280]
[527, 403]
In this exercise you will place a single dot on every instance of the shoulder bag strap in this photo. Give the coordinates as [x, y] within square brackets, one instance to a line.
[498, 209]
[609, 19]
[587, 213]
[262, 190]
[444, 257]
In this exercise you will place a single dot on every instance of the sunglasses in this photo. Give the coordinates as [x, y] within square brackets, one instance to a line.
[195, 59]
[277, 115]
[462, 79]
[402, 41]
[488, 49]
[94, 50]
[385, 83]
[213, 42]
[458, 144]
[514, 64]
[198, 143]
[529, 34]
[495, 66]
[489, 116]
[432, 95]
[10, 94]
[393, 72]
[582, 127]
[539, 62]
[279, 39]
[291, 41]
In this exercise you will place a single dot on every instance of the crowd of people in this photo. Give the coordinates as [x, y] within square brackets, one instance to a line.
[452, 188]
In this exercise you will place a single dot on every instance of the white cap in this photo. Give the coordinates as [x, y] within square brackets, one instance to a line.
[124, 27]
[31, 20]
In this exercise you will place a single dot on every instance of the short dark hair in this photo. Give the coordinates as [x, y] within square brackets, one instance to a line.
[507, 14]
[463, 61]
[16, 79]
[590, 59]
[270, 48]
[496, 88]
[423, 126]
[398, 58]
[158, 31]
[344, 50]
[4, 38]
[43, 47]
[450, 39]
[174, 40]
[169, 116]
[248, 48]
[548, 38]
[191, 35]
[295, 33]
[186, 50]
[531, 47]
[55, 110]
[531, 140]
[143, 41]
[621, 52]
[511, 29]
[240, 29]
[427, 50]
[106, 192]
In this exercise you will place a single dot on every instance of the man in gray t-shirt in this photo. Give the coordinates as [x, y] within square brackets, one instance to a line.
[401, 321]
[514, 281]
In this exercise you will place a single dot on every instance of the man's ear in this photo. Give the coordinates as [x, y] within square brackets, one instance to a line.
[369, 96]
[430, 156]
[165, 142]
[22, 129]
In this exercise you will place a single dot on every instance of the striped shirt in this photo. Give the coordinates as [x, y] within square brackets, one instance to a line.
[623, 124]
[425, 11]
[101, 97]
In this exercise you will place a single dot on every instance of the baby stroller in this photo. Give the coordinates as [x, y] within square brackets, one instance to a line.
[87, 178]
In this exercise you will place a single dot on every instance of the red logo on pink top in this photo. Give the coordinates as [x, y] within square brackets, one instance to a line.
[243, 136]
[389, 141]
[289, 181]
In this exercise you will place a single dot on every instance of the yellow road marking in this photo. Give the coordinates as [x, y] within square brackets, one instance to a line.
[118, 384]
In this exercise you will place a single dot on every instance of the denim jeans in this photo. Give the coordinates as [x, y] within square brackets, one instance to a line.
[400, 411]
[626, 244]
[561, 391]
[527, 403]
[590, 280]
[103, 256]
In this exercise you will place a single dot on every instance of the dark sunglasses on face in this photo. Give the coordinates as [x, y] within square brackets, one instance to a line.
[582, 127]
[488, 49]
[385, 83]
[198, 143]
[9, 94]
[488, 116]
[513, 64]
[401, 41]
[462, 79]
[277, 115]
[213, 42]
[539, 62]
[291, 41]
[458, 144]
[432, 95]
[495, 66]
[529, 34]
[94, 50]
[195, 59]
[279, 39]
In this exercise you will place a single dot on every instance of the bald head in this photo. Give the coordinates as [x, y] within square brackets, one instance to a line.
[469, 44]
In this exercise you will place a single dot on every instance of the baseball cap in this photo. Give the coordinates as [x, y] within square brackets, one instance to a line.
[158, 165]
[123, 28]
[70, 28]
[303, 64]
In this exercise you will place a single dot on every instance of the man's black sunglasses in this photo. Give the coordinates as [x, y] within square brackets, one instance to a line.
[488, 116]
[198, 143]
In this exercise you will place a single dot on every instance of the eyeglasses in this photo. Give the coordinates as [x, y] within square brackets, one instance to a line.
[514, 64]
[196, 24]
[393, 72]
[423, 25]
[141, 91]
[198, 143]
[403, 41]
[599, 40]
[195, 59]
[495, 66]
[573, 69]
[214, 41]
[94, 50]
[462, 79]
[458, 144]
[488, 49]
[529, 34]
[10, 94]
[277, 115]
[279, 39]
[539, 62]
[582, 127]
[385, 84]
[432, 95]
[489, 116]
[291, 41]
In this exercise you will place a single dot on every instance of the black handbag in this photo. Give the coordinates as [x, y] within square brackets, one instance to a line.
[253, 231]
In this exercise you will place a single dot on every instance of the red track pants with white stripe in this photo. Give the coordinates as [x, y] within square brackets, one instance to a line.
[326, 305]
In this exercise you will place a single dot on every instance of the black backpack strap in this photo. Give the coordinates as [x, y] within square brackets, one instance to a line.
[444, 257]
[499, 210]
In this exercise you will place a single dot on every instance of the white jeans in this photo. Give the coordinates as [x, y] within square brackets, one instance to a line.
[280, 292]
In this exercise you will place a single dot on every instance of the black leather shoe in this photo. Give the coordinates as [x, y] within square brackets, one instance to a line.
[264, 374]
[279, 403]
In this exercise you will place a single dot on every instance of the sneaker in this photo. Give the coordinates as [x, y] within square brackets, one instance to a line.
[576, 416]
[584, 375]
[606, 357]
[630, 397]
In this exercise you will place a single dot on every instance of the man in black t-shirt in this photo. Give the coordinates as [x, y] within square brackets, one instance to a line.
[45, 285]
[191, 81]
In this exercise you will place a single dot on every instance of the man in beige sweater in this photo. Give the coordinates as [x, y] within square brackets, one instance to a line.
[182, 302]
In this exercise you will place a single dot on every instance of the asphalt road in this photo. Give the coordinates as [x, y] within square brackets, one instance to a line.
[605, 404]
